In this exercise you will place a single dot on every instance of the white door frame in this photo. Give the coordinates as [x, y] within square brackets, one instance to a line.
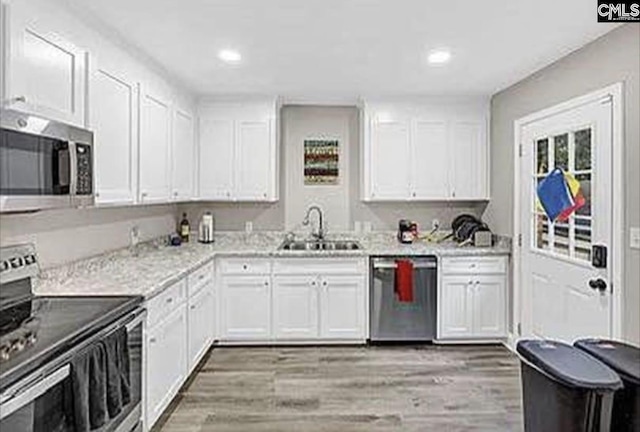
[617, 240]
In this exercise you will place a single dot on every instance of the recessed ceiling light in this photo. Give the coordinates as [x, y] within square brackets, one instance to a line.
[230, 56]
[439, 56]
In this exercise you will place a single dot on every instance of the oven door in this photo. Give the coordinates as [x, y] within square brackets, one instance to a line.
[43, 402]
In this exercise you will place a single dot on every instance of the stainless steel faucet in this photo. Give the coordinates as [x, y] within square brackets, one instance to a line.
[320, 234]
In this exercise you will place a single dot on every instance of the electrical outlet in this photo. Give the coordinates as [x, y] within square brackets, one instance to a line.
[435, 224]
[634, 238]
[248, 227]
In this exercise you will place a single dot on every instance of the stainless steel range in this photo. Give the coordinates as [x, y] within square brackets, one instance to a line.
[66, 363]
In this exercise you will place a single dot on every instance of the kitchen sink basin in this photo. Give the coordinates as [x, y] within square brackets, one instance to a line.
[322, 245]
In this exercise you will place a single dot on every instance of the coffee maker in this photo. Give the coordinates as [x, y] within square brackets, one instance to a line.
[206, 228]
[407, 231]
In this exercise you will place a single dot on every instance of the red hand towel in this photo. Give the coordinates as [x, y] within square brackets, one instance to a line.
[404, 281]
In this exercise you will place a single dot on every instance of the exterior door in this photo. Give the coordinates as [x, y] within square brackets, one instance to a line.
[564, 295]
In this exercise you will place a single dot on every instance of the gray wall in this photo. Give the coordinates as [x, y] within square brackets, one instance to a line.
[612, 58]
[341, 203]
[62, 236]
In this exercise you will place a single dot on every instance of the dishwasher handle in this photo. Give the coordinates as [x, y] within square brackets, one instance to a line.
[391, 264]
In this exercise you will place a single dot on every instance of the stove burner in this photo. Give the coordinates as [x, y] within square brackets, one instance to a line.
[19, 326]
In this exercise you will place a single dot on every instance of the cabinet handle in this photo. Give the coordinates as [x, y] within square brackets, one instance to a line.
[244, 266]
[175, 194]
[453, 194]
[324, 283]
[413, 194]
[266, 284]
[170, 300]
[193, 307]
[152, 340]
[313, 283]
[201, 277]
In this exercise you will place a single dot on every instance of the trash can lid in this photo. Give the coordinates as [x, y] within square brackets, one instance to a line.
[569, 365]
[619, 356]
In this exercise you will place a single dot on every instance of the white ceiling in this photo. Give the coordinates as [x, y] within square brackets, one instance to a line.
[343, 49]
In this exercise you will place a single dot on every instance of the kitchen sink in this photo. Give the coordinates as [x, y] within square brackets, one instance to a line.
[321, 245]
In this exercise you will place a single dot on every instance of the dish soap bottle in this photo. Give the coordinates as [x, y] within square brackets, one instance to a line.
[184, 228]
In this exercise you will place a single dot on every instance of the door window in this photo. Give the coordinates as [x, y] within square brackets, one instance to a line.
[570, 150]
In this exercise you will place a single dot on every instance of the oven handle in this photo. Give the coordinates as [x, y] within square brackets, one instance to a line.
[13, 400]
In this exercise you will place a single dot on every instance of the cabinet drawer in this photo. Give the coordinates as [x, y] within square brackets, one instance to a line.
[321, 266]
[164, 303]
[245, 266]
[475, 265]
[199, 278]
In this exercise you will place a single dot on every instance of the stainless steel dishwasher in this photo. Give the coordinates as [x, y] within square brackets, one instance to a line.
[395, 321]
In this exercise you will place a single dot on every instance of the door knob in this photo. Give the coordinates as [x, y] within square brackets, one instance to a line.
[598, 284]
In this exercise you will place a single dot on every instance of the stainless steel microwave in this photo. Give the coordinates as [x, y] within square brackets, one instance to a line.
[43, 164]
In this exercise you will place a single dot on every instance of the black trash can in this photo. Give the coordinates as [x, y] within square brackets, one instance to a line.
[564, 389]
[625, 360]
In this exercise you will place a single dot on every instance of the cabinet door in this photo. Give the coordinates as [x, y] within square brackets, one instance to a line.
[246, 308]
[456, 308]
[430, 161]
[489, 306]
[155, 141]
[390, 162]
[166, 362]
[182, 156]
[200, 310]
[216, 159]
[469, 159]
[254, 174]
[46, 72]
[342, 308]
[113, 97]
[295, 307]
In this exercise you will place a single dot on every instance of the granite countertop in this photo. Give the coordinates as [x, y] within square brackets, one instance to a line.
[148, 268]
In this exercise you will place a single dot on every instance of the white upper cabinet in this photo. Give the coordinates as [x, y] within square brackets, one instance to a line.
[431, 149]
[468, 164]
[155, 146]
[45, 72]
[237, 151]
[254, 165]
[430, 159]
[390, 160]
[183, 155]
[113, 117]
[215, 159]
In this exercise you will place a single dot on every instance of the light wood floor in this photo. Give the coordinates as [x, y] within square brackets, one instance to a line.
[373, 389]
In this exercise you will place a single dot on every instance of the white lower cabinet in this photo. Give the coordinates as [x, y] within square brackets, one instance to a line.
[166, 362]
[295, 307]
[200, 310]
[245, 309]
[342, 308]
[179, 333]
[472, 299]
[310, 300]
